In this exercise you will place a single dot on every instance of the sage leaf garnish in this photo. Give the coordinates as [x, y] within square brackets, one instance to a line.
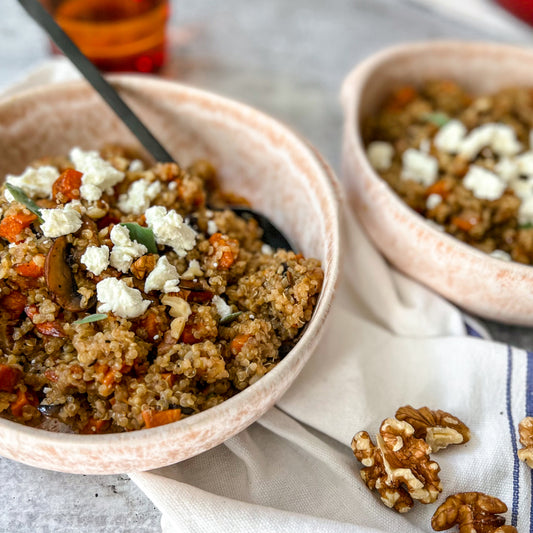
[438, 118]
[20, 196]
[228, 319]
[91, 318]
[142, 236]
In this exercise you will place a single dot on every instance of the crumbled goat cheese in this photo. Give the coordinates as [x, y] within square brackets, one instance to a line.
[500, 254]
[211, 227]
[425, 146]
[170, 229]
[136, 166]
[500, 138]
[35, 182]
[164, 277]
[450, 137]
[98, 174]
[483, 183]
[525, 163]
[116, 297]
[140, 194]
[223, 309]
[194, 270]
[60, 221]
[172, 186]
[523, 188]
[433, 200]
[96, 259]
[507, 169]
[419, 167]
[124, 250]
[380, 154]
[525, 211]
[267, 249]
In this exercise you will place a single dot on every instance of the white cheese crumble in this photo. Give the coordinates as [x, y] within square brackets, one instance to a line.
[164, 277]
[172, 186]
[266, 249]
[433, 200]
[136, 166]
[450, 137]
[60, 221]
[425, 146]
[507, 168]
[380, 154]
[35, 182]
[124, 250]
[500, 138]
[96, 259]
[116, 297]
[223, 309]
[523, 188]
[98, 174]
[419, 167]
[525, 211]
[140, 194]
[211, 227]
[500, 254]
[525, 163]
[483, 183]
[170, 229]
[193, 271]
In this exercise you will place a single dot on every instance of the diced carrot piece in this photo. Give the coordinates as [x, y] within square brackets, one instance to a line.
[237, 343]
[51, 329]
[169, 377]
[68, 184]
[9, 377]
[187, 335]
[440, 187]
[30, 269]
[153, 418]
[225, 249]
[12, 226]
[95, 426]
[23, 398]
[151, 324]
[401, 98]
[465, 224]
[14, 303]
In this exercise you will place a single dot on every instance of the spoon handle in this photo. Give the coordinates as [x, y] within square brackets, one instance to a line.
[93, 76]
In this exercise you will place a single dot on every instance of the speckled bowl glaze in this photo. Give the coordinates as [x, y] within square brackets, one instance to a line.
[479, 283]
[257, 157]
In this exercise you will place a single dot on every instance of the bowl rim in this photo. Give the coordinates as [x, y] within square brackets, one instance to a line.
[351, 92]
[331, 192]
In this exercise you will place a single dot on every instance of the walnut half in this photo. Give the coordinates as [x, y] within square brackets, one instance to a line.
[438, 428]
[473, 512]
[525, 430]
[398, 466]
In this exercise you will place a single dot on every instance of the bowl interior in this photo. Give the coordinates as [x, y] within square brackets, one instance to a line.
[256, 158]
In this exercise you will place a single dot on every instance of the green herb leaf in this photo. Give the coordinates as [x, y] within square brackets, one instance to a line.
[437, 118]
[529, 225]
[228, 319]
[21, 197]
[142, 236]
[91, 318]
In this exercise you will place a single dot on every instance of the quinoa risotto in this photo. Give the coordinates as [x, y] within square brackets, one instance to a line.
[127, 303]
[464, 162]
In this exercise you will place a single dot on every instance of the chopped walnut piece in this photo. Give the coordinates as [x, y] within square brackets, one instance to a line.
[144, 265]
[473, 512]
[525, 429]
[398, 467]
[438, 428]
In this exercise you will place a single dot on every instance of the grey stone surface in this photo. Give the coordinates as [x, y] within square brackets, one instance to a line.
[286, 58]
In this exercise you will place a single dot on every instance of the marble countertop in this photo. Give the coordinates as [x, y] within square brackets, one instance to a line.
[286, 58]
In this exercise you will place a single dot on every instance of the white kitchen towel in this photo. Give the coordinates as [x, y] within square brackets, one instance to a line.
[388, 342]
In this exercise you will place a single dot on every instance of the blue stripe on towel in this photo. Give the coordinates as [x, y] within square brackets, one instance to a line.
[471, 332]
[512, 431]
[529, 412]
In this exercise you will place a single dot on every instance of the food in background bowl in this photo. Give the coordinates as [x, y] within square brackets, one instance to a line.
[127, 303]
[464, 162]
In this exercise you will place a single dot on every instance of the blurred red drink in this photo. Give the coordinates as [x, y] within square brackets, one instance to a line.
[116, 35]
[522, 9]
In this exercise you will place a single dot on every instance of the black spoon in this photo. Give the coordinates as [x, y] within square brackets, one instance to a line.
[271, 235]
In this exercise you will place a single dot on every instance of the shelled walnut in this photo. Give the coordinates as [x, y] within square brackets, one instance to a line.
[398, 466]
[438, 428]
[473, 512]
[525, 430]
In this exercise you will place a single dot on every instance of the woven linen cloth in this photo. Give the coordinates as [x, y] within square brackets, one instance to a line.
[387, 342]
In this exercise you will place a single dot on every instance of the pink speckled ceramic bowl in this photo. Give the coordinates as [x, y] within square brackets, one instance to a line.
[479, 283]
[257, 157]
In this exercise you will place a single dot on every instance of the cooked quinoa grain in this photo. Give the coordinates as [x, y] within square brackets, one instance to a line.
[128, 320]
[464, 162]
